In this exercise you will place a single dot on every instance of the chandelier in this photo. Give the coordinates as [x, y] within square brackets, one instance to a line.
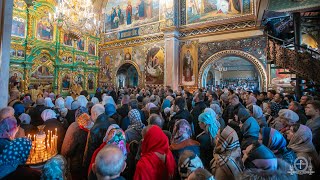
[76, 17]
[219, 67]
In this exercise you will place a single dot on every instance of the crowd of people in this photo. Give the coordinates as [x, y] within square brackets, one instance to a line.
[157, 133]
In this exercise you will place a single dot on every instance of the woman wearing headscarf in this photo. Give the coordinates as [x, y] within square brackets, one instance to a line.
[257, 114]
[249, 128]
[181, 139]
[287, 118]
[134, 129]
[111, 111]
[188, 162]
[226, 162]
[51, 124]
[258, 156]
[95, 100]
[25, 124]
[82, 100]
[55, 168]
[68, 102]
[48, 103]
[275, 141]
[108, 100]
[74, 144]
[251, 100]
[115, 136]
[60, 107]
[300, 141]
[272, 110]
[216, 108]
[157, 161]
[12, 158]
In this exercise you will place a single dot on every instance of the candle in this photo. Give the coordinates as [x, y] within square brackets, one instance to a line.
[55, 131]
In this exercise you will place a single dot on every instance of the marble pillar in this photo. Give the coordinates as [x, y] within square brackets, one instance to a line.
[6, 7]
[172, 59]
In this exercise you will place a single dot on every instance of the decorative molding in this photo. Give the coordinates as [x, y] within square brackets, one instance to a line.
[218, 29]
[215, 57]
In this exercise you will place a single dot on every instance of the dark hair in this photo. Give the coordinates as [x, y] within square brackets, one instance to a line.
[295, 127]
[264, 93]
[272, 91]
[155, 119]
[315, 104]
[182, 87]
[200, 96]
[214, 96]
[170, 90]
[155, 110]
[281, 95]
[84, 92]
[290, 97]
[180, 102]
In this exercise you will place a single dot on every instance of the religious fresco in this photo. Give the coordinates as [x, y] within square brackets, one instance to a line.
[67, 58]
[80, 58]
[66, 81]
[92, 48]
[45, 29]
[105, 65]
[154, 69]
[67, 40]
[127, 53]
[124, 14]
[91, 80]
[17, 53]
[189, 63]
[15, 76]
[212, 10]
[18, 27]
[80, 44]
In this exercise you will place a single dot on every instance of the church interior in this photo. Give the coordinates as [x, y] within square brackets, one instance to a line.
[66, 47]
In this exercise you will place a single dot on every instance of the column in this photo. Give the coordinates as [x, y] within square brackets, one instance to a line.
[172, 76]
[297, 41]
[6, 7]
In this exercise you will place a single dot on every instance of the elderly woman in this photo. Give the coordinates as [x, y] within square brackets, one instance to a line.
[68, 102]
[300, 141]
[52, 124]
[74, 144]
[181, 139]
[251, 100]
[95, 100]
[60, 107]
[216, 108]
[256, 113]
[188, 162]
[25, 124]
[226, 162]
[249, 128]
[287, 118]
[82, 100]
[115, 136]
[48, 103]
[55, 168]
[275, 141]
[135, 128]
[157, 161]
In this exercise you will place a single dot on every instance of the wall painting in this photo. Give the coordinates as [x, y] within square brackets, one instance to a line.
[80, 44]
[91, 81]
[212, 10]
[155, 66]
[45, 29]
[189, 63]
[127, 53]
[67, 40]
[92, 48]
[18, 27]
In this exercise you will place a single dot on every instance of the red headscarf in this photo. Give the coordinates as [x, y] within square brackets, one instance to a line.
[157, 161]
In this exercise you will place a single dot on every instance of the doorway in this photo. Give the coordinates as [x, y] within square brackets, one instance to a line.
[127, 76]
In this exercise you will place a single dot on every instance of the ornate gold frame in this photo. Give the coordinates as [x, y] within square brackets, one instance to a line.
[260, 67]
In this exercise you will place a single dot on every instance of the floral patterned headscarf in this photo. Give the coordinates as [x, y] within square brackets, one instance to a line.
[116, 136]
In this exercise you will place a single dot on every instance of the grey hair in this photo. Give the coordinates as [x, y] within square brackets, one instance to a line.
[155, 119]
[6, 112]
[109, 161]
[98, 109]
[200, 174]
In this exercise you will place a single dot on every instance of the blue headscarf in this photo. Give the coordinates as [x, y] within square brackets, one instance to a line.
[110, 109]
[18, 109]
[165, 104]
[273, 139]
[209, 121]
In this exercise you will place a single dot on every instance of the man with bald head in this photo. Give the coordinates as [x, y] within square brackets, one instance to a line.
[109, 163]
[97, 132]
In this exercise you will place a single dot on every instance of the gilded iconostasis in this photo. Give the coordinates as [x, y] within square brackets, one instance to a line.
[164, 42]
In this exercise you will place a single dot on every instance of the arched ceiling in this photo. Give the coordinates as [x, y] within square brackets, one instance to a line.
[98, 5]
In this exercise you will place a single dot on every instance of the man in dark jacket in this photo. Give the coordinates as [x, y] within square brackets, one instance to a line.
[35, 113]
[197, 110]
[97, 132]
[181, 113]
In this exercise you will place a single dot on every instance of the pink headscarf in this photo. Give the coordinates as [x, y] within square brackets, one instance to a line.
[8, 128]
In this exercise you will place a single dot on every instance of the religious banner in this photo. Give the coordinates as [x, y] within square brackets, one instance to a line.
[189, 63]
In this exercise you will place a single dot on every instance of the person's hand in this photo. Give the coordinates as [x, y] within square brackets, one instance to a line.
[240, 125]
[230, 120]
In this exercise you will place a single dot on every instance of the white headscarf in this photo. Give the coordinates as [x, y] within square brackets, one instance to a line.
[48, 114]
[108, 100]
[95, 100]
[60, 103]
[82, 100]
[69, 100]
[25, 118]
[48, 102]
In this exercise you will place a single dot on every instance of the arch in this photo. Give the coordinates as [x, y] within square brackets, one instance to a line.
[41, 50]
[221, 54]
[135, 65]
